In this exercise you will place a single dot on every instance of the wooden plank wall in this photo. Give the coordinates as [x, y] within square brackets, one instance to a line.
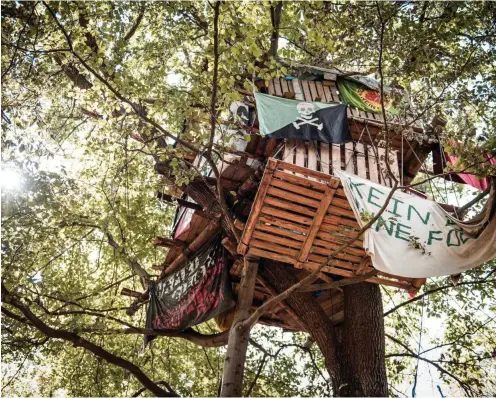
[360, 158]
[300, 217]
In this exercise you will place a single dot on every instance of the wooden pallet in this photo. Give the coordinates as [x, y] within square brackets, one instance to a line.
[300, 216]
[354, 157]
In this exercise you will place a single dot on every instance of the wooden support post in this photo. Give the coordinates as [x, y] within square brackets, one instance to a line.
[199, 241]
[167, 242]
[239, 224]
[130, 293]
[230, 245]
[255, 211]
[234, 364]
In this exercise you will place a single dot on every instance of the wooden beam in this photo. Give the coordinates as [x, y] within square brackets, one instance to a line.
[167, 242]
[227, 183]
[317, 221]
[257, 206]
[364, 264]
[180, 202]
[230, 245]
[130, 293]
[193, 247]
[239, 224]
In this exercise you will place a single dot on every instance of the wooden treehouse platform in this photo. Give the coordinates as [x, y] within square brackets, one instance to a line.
[300, 216]
[288, 206]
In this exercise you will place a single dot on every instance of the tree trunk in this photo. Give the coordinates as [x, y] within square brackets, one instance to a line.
[361, 348]
[354, 352]
[234, 364]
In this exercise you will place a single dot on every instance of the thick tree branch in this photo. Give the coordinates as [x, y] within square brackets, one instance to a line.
[78, 341]
[275, 18]
[136, 24]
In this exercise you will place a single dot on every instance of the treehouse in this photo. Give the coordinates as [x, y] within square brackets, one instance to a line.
[288, 202]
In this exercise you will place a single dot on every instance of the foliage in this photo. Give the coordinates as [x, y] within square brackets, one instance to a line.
[86, 158]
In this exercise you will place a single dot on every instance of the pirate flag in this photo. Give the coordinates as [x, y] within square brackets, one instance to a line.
[309, 121]
[197, 292]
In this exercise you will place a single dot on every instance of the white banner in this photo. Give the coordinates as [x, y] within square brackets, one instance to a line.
[415, 237]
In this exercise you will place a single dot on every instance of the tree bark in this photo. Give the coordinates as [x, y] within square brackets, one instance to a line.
[361, 348]
[308, 310]
[354, 352]
[234, 364]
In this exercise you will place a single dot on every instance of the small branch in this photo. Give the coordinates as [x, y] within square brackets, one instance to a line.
[164, 383]
[437, 289]
[464, 386]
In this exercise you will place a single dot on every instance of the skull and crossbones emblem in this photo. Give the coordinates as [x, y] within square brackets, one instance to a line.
[306, 110]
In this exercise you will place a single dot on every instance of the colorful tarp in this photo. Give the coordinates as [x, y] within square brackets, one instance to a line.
[362, 97]
[440, 162]
[194, 294]
[310, 121]
[415, 237]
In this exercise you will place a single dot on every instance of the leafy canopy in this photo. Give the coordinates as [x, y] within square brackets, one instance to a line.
[86, 173]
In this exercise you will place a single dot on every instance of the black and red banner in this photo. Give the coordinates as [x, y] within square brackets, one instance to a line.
[197, 292]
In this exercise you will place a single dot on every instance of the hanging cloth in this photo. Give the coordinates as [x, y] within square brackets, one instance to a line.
[415, 237]
[309, 121]
[440, 163]
[197, 292]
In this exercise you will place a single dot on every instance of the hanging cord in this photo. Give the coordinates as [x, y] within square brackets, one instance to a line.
[450, 177]
[289, 152]
[365, 127]
[279, 149]
[424, 169]
[418, 349]
[402, 156]
[376, 153]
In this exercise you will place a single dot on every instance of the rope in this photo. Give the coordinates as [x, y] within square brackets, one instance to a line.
[418, 349]
[279, 150]
[422, 166]
[289, 153]
[402, 156]
[450, 177]
[376, 153]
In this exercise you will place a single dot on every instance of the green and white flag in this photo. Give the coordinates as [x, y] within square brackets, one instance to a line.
[309, 121]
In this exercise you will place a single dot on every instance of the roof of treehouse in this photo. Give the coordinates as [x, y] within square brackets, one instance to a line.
[294, 211]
